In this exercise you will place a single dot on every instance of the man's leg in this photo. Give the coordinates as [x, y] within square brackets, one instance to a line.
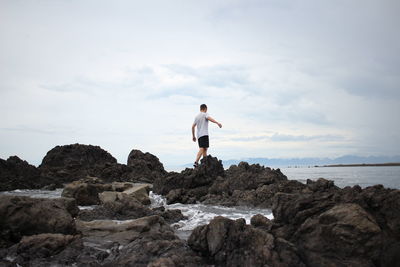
[205, 152]
[199, 154]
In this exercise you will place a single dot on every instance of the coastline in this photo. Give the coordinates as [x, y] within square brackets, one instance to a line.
[361, 165]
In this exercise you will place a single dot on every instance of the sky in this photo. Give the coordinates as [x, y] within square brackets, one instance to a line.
[285, 78]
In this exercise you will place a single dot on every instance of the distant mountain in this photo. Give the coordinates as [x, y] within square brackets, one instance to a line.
[281, 162]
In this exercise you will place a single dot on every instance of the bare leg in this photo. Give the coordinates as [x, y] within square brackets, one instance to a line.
[205, 152]
[199, 154]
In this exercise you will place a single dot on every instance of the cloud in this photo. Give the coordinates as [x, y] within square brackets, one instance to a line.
[278, 74]
[278, 137]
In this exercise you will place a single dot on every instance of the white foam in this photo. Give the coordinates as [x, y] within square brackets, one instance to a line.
[200, 214]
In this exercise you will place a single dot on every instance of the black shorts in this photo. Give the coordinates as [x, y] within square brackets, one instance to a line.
[203, 141]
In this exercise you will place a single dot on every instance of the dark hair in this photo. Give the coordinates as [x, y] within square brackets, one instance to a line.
[203, 106]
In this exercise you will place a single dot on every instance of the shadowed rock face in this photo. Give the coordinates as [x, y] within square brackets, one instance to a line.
[21, 216]
[72, 162]
[18, 174]
[190, 185]
[332, 226]
[225, 242]
[145, 166]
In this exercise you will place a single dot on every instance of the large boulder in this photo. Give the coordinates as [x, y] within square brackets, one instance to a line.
[19, 174]
[21, 216]
[190, 185]
[145, 166]
[226, 242]
[332, 226]
[344, 233]
[72, 162]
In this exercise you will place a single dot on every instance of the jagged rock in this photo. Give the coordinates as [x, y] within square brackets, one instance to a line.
[170, 216]
[344, 233]
[332, 226]
[226, 242]
[261, 222]
[191, 184]
[19, 174]
[43, 245]
[21, 216]
[145, 166]
[85, 191]
[125, 208]
[147, 241]
[73, 162]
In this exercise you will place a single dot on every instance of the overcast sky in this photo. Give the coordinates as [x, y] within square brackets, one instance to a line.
[285, 78]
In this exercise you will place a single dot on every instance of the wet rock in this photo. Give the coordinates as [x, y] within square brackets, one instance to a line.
[21, 216]
[140, 192]
[85, 191]
[111, 196]
[43, 245]
[19, 174]
[73, 162]
[261, 222]
[147, 241]
[170, 215]
[121, 186]
[125, 208]
[225, 242]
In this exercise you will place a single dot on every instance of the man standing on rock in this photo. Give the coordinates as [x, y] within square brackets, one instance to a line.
[201, 121]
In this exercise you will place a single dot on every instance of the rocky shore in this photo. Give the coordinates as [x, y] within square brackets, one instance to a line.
[315, 224]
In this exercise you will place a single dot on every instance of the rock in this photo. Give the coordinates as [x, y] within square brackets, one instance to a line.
[140, 192]
[261, 222]
[21, 216]
[190, 185]
[19, 174]
[344, 233]
[73, 162]
[247, 177]
[125, 208]
[225, 242]
[121, 186]
[111, 196]
[321, 185]
[332, 226]
[43, 245]
[147, 241]
[170, 216]
[239, 185]
[146, 166]
[85, 191]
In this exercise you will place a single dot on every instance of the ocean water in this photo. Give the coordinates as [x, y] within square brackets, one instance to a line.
[388, 176]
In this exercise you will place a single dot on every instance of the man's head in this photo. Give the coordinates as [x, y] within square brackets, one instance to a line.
[203, 107]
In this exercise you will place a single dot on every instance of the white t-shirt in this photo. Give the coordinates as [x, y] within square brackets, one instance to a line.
[202, 124]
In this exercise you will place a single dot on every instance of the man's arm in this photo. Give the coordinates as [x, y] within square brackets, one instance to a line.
[193, 136]
[214, 121]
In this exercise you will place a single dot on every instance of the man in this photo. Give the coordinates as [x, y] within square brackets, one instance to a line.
[201, 121]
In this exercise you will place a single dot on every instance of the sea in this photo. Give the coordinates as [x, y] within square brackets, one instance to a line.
[200, 214]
